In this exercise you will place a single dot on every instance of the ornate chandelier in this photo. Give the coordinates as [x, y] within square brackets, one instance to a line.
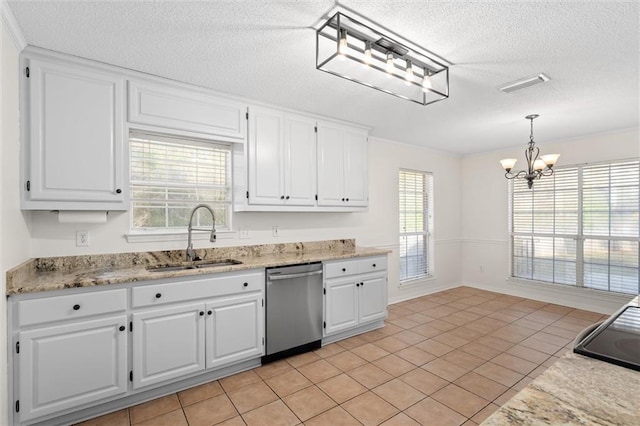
[536, 167]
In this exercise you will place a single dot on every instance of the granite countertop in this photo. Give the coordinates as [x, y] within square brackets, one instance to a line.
[576, 390]
[56, 273]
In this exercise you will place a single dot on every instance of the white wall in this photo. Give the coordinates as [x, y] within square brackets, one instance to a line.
[485, 253]
[14, 232]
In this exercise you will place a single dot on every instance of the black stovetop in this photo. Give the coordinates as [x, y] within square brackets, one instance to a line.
[617, 341]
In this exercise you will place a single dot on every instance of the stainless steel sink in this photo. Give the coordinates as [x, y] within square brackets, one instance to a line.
[193, 265]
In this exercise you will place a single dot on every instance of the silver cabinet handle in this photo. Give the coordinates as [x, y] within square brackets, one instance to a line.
[288, 276]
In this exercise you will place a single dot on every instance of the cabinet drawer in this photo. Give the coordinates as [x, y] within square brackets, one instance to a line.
[340, 269]
[198, 288]
[59, 308]
[372, 264]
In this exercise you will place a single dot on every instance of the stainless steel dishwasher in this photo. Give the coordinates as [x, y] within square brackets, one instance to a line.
[293, 310]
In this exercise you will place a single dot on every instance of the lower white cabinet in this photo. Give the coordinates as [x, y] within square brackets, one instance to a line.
[355, 293]
[69, 365]
[168, 343]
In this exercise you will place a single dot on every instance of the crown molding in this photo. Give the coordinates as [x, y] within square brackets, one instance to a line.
[11, 24]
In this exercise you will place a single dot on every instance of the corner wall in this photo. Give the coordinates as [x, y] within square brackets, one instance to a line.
[485, 249]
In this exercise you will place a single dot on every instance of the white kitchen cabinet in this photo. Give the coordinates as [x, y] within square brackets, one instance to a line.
[281, 158]
[187, 110]
[342, 166]
[168, 343]
[73, 137]
[234, 329]
[68, 365]
[355, 293]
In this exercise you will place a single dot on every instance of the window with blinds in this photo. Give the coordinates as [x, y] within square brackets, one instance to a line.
[170, 176]
[415, 194]
[579, 227]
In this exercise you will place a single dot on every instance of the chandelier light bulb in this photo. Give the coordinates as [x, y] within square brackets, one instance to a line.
[367, 53]
[342, 47]
[550, 159]
[390, 66]
[426, 81]
[508, 163]
[408, 75]
[538, 164]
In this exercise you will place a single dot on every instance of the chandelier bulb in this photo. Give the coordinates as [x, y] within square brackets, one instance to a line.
[408, 76]
[538, 165]
[426, 80]
[550, 159]
[342, 47]
[508, 163]
[390, 66]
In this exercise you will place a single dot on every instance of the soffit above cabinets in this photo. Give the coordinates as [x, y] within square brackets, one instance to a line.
[265, 51]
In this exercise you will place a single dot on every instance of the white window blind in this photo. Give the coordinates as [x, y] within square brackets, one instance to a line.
[415, 192]
[170, 176]
[580, 227]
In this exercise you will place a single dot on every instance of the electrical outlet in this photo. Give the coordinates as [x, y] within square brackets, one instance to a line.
[82, 238]
[243, 234]
[276, 231]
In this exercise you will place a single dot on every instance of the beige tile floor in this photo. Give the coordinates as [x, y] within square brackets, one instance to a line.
[450, 358]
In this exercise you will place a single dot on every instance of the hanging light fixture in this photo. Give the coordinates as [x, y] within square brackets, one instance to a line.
[376, 60]
[536, 167]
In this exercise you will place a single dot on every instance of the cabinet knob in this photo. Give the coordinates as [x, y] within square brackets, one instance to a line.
[343, 199]
[122, 328]
[201, 313]
[76, 307]
[118, 191]
[287, 197]
[245, 285]
[374, 265]
[282, 197]
[344, 269]
[357, 284]
[158, 295]
[347, 199]
[362, 284]
[209, 312]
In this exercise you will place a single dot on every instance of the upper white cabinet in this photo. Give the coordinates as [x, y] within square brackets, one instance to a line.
[187, 110]
[342, 166]
[282, 158]
[73, 137]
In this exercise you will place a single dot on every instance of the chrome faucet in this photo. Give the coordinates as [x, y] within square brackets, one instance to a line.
[190, 253]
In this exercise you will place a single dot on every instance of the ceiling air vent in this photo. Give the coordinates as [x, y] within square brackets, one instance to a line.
[524, 82]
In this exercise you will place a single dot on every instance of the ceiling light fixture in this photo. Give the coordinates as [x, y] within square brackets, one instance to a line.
[536, 167]
[376, 60]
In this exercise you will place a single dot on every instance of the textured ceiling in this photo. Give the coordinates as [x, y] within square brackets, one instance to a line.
[265, 50]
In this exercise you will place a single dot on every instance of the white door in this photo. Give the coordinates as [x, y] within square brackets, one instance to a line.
[300, 161]
[330, 166]
[235, 329]
[69, 365]
[75, 135]
[356, 170]
[266, 138]
[372, 301]
[341, 305]
[168, 343]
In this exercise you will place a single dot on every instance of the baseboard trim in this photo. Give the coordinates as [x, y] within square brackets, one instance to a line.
[423, 291]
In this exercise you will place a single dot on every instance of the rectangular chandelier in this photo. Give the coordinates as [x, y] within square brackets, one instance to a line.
[355, 51]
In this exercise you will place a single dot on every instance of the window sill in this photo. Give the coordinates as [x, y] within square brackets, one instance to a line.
[414, 282]
[160, 236]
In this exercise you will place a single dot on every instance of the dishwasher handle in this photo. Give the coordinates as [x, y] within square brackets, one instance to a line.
[289, 276]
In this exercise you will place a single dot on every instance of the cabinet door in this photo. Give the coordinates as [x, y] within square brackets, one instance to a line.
[330, 166]
[235, 329]
[372, 299]
[300, 161]
[167, 343]
[341, 305]
[65, 366]
[356, 170]
[266, 168]
[75, 139]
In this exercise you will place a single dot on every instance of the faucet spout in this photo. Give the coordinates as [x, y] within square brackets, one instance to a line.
[190, 254]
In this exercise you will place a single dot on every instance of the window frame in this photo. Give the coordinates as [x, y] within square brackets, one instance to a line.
[178, 233]
[428, 221]
[580, 235]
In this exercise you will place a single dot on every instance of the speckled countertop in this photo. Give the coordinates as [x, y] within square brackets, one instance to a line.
[56, 273]
[576, 390]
